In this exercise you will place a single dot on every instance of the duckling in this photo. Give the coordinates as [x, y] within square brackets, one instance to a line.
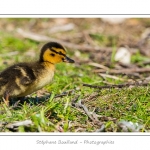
[25, 78]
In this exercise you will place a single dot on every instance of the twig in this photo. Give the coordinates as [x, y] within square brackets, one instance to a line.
[92, 116]
[98, 65]
[19, 123]
[14, 126]
[60, 95]
[110, 76]
[130, 70]
[9, 54]
[117, 86]
[102, 129]
[86, 110]
[62, 28]
[43, 38]
[90, 97]
[64, 93]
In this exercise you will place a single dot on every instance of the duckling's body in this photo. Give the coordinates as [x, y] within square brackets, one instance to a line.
[23, 79]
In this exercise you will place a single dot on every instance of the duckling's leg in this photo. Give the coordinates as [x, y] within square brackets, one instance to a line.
[6, 98]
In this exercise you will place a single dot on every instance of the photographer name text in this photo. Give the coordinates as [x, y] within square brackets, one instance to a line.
[74, 142]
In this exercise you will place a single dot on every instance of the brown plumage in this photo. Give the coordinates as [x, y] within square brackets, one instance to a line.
[22, 79]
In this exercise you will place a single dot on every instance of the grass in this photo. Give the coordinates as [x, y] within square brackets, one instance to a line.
[58, 113]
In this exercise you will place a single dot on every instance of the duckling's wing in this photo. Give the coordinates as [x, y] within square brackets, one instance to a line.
[28, 75]
[3, 81]
[27, 80]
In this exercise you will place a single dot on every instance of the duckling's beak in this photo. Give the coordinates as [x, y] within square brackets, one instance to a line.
[69, 60]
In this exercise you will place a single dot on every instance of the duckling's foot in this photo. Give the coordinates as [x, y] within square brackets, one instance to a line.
[15, 102]
[6, 102]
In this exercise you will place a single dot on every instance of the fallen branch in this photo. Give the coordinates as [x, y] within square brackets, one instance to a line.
[43, 38]
[117, 86]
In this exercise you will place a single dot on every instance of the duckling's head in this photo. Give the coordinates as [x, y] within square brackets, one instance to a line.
[54, 53]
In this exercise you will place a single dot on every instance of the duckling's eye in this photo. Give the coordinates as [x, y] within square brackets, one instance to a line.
[52, 54]
[60, 53]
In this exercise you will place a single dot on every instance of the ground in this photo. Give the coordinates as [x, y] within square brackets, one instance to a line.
[97, 93]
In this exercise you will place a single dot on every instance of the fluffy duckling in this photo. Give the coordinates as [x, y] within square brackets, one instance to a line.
[23, 79]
